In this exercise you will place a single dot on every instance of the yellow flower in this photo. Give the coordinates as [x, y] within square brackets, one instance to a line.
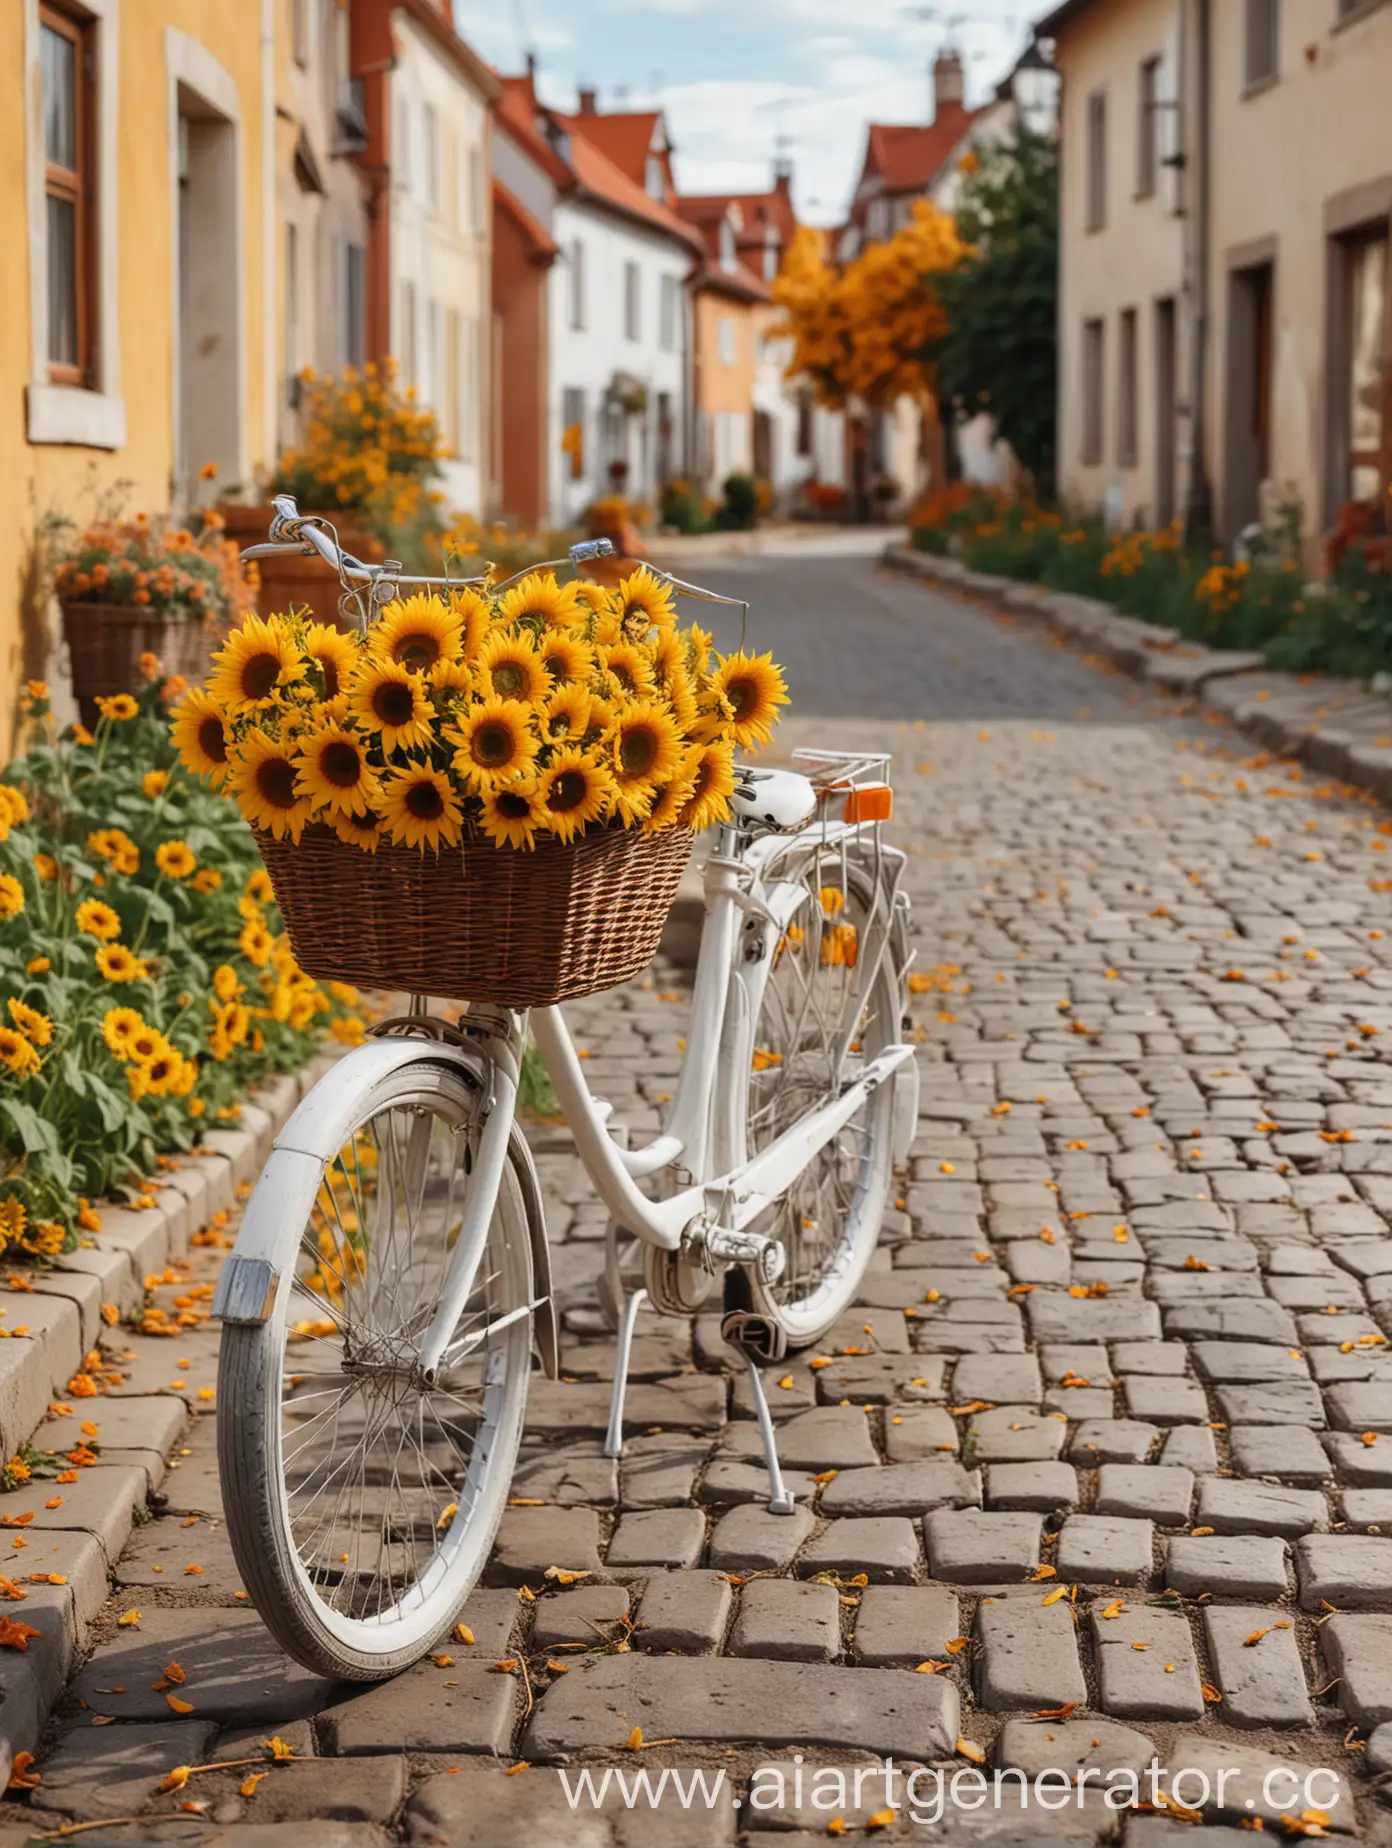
[511, 666]
[755, 689]
[17, 1055]
[256, 944]
[46, 867]
[334, 653]
[154, 783]
[417, 633]
[363, 831]
[118, 965]
[175, 859]
[38, 965]
[646, 749]
[496, 743]
[98, 920]
[34, 1025]
[565, 656]
[226, 983]
[259, 887]
[388, 700]
[164, 1071]
[630, 668]
[421, 809]
[14, 806]
[574, 790]
[264, 783]
[12, 1223]
[566, 716]
[475, 614]
[119, 708]
[116, 846]
[645, 603]
[541, 598]
[668, 802]
[713, 783]
[119, 1026]
[333, 772]
[207, 879]
[513, 815]
[253, 664]
[200, 736]
[11, 896]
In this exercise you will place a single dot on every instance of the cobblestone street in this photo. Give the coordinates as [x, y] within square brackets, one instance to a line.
[1099, 1471]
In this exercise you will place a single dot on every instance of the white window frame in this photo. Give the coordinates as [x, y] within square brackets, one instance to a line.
[575, 299]
[95, 418]
[632, 301]
[430, 155]
[725, 340]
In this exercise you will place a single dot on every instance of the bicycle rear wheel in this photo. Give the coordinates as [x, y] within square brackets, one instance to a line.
[362, 1498]
[820, 1022]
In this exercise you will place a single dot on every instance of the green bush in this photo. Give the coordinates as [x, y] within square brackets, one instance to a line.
[740, 509]
[684, 508]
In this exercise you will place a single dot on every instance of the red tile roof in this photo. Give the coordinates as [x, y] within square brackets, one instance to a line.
[758, 211]
[624, 139]
[909, 158]
[604, 182]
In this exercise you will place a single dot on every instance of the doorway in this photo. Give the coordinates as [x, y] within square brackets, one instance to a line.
[1166, 376]
[208, 358]
[1251, 340]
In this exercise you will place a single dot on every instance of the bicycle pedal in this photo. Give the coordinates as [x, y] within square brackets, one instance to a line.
[754, 1336]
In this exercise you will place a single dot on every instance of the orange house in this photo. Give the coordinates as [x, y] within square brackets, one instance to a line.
[732, 311]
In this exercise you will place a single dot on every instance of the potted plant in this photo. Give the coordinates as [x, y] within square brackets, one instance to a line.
[133, 588]
[367, 463]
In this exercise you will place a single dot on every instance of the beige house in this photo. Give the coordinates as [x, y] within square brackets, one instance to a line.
[1225, 315]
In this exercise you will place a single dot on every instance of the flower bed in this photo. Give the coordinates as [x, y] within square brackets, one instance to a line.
[145, 978]
[1339, 625]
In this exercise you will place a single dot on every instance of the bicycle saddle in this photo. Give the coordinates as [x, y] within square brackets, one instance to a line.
[776, 799]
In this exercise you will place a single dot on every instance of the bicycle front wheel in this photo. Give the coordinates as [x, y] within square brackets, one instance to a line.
[823, 1017]
[361, 1498]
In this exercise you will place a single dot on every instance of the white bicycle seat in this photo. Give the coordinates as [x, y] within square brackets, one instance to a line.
[776, 799]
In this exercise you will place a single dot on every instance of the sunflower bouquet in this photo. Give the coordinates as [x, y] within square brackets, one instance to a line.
[485, 729]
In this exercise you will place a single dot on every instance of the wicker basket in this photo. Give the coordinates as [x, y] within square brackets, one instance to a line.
[106, 640]
[481, 923]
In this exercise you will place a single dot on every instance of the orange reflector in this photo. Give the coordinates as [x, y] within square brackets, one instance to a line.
[875, 802]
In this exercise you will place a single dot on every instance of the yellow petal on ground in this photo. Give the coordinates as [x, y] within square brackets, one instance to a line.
[1114, 1609]
[634, 1741]
[463, 1634]
[251, 1780]
[127, 1619]
[1059, 1591]
[178, 1706]
[976, 1753]
[177, 1778]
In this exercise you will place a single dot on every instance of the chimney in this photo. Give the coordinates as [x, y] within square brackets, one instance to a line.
[782, 174]
[949, 81]
[587, 102]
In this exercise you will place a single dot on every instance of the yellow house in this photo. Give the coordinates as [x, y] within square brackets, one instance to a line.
[137, 193]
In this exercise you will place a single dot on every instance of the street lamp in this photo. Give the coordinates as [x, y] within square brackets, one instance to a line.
[1034, 86]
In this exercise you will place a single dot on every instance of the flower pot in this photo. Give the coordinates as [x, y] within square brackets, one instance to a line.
[106, 640]
[292, 582]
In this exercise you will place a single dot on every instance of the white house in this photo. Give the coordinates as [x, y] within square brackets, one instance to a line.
[617, 314]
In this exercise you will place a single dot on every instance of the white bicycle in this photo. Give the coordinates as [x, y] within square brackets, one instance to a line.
[391, 1282]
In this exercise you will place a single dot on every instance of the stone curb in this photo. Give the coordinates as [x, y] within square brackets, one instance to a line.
[1335, 726]
[63, 1311]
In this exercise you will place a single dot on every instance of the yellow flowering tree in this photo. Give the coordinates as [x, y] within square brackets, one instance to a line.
[862, 329]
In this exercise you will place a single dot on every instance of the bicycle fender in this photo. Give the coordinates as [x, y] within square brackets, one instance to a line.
[321, 1124]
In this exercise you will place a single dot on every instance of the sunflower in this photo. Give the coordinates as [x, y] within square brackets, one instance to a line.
[712, 775]
[630, 668]
[496, 743]
[451, 676]
[119, 1026]
[11, 896]
[154, 783]
[645, 603]
[17, 1055]
[259, 888]
[416, 633]
[566, 714]
[511, 667]
[253, 664]
[698, 649]
[574, 790]
[421, 809]
[30, 1022]
[98, 920]
[255, 942]
[115, 846]
[646, 746]
[541, 598]
[15, 805]
[565, 656]
[333, 772]
[715, 717]
[13, 1220]
[475, 615]
[363, 831]
[200, 736]
[227, 984]
[145, 1043]
[164, 1072]
[387, 699]
[755, 689]
[264, 784]
[512, 816]
[334, 653]
[175, 859]
[669, 799]
[117, 964]
[207, 879]
[592, 598]
[120, 708]
[674, 684]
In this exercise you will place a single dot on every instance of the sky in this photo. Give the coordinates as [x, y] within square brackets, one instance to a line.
[736, 77]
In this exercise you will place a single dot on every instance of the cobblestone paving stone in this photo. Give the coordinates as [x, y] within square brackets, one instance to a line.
[1099, 1470]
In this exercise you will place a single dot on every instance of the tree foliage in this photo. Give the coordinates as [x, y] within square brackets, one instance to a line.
[999, 347]
[866, 329]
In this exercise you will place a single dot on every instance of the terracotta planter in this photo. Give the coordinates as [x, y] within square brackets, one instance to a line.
[292, 582]
[106, 640]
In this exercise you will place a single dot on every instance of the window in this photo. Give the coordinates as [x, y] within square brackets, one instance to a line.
[669, 314]
[1094, 390]
[1148, 129]
[355, 305]
[402, 157]
[725, 340]
[655, 178]
[728, 258]
[453, 410]
[478, 219]
[66, 67]
[409, 357]
[633, 302]
[573, 430]
[302, 30]
[430, 156]
[804, 421]
[577, 286]
[292, 314]
[1097, 160]
[1128, 392]
[1263, 40]
[1368, 346]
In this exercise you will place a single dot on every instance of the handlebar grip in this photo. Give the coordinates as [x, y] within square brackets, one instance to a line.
[591, 548]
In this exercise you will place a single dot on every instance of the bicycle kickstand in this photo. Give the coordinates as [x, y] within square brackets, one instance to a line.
[780, 1501]
[613, 1437]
